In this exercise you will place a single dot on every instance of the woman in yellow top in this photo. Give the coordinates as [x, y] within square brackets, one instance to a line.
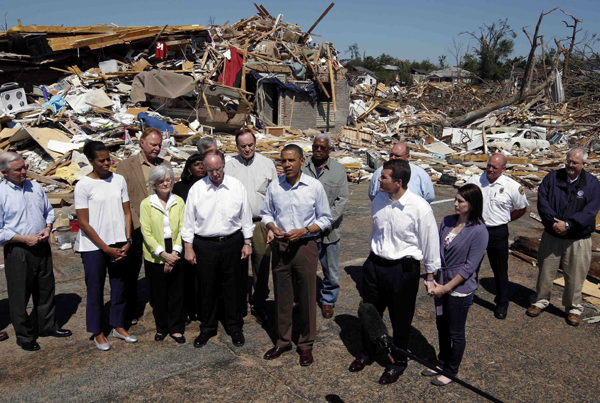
[161, 218]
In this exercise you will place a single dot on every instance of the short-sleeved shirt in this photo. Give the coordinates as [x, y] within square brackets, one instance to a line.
[104, 200]
[500, 198]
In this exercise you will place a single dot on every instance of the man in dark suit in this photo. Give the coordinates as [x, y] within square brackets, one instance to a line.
[136, 170]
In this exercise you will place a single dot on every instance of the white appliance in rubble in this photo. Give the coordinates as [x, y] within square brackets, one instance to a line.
[12, 98]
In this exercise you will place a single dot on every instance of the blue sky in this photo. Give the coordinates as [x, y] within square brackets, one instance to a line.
[412, 30]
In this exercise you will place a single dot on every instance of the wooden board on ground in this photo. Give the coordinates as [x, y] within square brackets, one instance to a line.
[275, 130]
[589, 288]
[42, 136]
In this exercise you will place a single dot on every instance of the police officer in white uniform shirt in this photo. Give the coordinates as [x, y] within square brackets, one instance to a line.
[503, 201]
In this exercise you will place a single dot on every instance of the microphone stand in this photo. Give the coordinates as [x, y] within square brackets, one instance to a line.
[386, 343]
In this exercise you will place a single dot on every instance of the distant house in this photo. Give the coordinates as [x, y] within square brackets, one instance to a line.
[451, 75]
[419, 75]
[360, 75]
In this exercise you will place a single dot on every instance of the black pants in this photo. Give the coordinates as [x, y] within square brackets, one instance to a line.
[218, 267]
[190, 289]
[167, 294]
[497, 251]
[95, 265]
[29, 274]
[135, 257]
[451, 331]
[393, 285]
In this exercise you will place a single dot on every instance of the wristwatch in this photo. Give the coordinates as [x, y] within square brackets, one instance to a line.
[130, 241]
[307, 231]
[248, 244]
[567, 225]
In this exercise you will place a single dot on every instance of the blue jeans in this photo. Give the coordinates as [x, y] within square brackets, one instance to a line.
[329, 256]
[451, 331]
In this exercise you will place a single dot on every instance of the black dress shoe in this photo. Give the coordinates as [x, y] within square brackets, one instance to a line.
[276, 352]
[159, 337]
[3, 336]
[180, 339]
[30, 346]
[58, 333]
[500, 312]
[237, 338]
[201, 340]
[389, 376]
[306, 358]
[358, 365]
[188, 320]
[260, 315]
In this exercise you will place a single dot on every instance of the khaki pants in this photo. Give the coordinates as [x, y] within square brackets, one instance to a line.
[261, 262]
[574, 257]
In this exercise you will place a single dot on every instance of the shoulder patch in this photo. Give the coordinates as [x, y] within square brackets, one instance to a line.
[521, 190]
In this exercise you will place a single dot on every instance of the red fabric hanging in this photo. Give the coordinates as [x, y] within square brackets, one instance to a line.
[233, 69]
[161, 51]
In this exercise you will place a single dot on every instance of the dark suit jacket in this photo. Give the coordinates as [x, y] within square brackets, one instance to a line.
[131, 169]
[464, 254]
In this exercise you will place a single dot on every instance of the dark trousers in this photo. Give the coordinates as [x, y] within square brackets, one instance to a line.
[295, 273]
[96, 264]
[190, 289]
[451, 331]
[218, 267]
[29, 274]
[391, 284]
[497, 251]
[261, 262]
[135, 257]
[167, 292]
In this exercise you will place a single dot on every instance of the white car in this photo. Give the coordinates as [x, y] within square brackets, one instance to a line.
[523, 138]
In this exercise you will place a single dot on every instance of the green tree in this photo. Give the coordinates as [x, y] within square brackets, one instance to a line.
[354, 51]
[496, 43]
[442, 61]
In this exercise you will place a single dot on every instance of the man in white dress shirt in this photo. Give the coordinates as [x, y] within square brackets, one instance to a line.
[504, 201]
[295, 210]
[404, 232]
[217, 231]
[255, 172]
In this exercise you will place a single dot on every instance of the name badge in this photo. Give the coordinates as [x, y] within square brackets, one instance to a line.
[580, 193]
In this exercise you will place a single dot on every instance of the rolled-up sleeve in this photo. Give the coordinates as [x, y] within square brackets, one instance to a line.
[374, 184]
[427, 187]
[189, 218]
[476, 251]
[322, 211]
[5, 233]
[266, 211]
[429, 241]
[48, 209]
[246, 216]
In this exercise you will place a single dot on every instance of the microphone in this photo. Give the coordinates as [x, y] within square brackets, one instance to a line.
[373, 324]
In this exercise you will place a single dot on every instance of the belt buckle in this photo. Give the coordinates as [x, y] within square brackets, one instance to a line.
[222, 238]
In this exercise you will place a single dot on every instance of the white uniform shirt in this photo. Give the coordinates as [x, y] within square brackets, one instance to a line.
[256, 175]
[103, 198]
[298, 206]
[403, 228]
[217, 211]
[499, 198]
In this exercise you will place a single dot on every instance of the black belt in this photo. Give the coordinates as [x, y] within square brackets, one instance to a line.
[497, 226]
[217, 238]
[387, 262]
[256, 219]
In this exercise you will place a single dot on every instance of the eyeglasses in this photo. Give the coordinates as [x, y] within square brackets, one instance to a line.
[246, 146]
[167, 180]
[211, 171]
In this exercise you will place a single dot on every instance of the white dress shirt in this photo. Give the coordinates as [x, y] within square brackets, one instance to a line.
[168, 234]
[256, 175]
[499, 198]
[217, 211]
[294, 207]
[403, 228]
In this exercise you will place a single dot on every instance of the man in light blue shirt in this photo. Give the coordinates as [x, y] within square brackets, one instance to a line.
[26, 218]
[419, 183]
[295, 211]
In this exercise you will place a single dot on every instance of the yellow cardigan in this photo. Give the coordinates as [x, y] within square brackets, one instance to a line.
[151, 220]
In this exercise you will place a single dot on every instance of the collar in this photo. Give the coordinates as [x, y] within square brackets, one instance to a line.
[310, 164]
[403, 200]
[15, 187]
[244, 161]
[569, 180]
[226, 183]
[562, 179]
[500, 181]
[155, 201]
[302, 180]
[157, 162]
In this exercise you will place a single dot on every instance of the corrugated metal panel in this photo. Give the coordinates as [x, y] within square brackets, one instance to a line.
[325, 115]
